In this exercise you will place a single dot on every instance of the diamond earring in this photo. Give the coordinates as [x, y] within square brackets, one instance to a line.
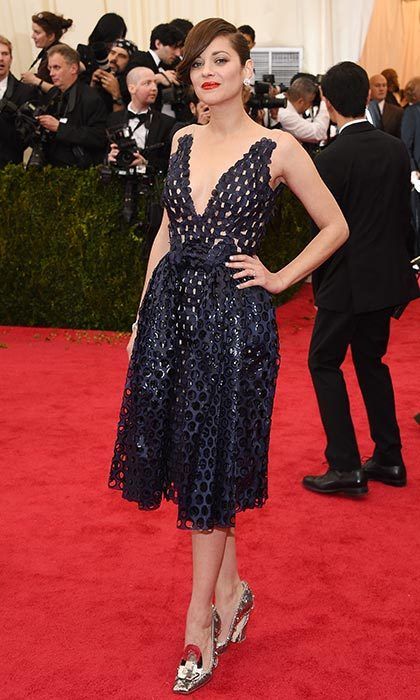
[247, 82]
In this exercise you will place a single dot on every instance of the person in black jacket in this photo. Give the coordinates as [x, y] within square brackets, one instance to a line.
[165, 47]
[358, 289]
[410, 134]
[13, 93]
[148, 126]
[77, 127]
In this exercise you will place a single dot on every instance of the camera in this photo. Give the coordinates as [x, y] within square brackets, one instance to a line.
[261, 99]
[178, 97]
[100, 54]
[122, 136]
[30, 130]
[139, 180]
[93, 57]
[174, 96]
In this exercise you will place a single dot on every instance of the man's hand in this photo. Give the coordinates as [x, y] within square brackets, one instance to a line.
[166, 78]
[108, 81]
[48, 122]
[112, 156]
[203, 113]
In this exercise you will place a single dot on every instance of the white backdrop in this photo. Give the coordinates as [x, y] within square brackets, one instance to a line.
[327, 30]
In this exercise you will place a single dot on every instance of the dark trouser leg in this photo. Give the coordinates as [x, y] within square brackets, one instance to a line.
[368, 346]
[330, 339]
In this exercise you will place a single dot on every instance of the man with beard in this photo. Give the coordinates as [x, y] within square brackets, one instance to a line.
[111, 83]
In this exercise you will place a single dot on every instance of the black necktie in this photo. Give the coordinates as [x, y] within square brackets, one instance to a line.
[141, 118]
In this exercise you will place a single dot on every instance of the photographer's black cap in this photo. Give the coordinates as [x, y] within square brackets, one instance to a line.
[126, 44]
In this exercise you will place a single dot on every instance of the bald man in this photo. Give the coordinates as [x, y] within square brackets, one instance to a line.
[385, 116]
[148, 126]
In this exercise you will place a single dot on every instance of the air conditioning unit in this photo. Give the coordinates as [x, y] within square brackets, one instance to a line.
[282, 62]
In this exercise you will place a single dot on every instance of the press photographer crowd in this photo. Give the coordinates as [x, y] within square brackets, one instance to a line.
[110, 104]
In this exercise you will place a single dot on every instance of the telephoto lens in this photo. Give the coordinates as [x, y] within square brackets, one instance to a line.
[100, 51]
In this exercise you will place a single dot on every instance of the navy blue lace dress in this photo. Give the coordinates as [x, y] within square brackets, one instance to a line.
[195, 418]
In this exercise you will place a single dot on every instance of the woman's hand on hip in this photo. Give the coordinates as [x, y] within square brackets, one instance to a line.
[251, 266]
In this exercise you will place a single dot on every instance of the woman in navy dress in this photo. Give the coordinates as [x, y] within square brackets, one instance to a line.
[195, 418]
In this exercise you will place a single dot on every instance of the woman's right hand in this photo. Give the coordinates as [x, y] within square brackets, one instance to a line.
[131, 343]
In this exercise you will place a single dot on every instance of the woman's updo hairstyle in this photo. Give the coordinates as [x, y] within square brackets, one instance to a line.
[201, 36]
[52, 24]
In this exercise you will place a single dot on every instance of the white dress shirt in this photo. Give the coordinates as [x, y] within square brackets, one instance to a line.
[305, 129]
[155, 57]
[353, 121]
[139, 132]
[3, 86]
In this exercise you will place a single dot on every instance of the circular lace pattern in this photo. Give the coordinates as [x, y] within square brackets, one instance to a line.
[196, 411]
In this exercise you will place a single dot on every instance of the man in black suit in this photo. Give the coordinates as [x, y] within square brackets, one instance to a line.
[148, 126]
[385, 116]
[165, 47]
[77, 127]
[360, 286]
[13, 93]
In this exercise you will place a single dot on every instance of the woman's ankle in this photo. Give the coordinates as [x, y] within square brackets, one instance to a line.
[199, 616]
[228, 591]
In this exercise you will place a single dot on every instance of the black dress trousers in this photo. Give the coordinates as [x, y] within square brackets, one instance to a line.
[367, 334]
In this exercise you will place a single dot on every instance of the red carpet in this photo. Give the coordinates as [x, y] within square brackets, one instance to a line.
[94, 592]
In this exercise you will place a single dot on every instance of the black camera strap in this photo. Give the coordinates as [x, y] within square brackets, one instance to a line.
[40, 56]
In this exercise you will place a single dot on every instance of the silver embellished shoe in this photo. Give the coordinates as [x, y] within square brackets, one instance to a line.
[191, 675]
[240, 619]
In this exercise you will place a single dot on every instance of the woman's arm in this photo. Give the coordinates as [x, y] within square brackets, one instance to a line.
[159, 248]
[30, 78]
[292, 165]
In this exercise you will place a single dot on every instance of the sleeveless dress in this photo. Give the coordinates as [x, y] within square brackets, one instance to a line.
[196, 411]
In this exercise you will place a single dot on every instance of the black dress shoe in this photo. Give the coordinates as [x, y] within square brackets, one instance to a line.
[353, 483]
[393, 476]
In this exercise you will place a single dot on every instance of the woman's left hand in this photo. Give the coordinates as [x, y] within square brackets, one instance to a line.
[30, 78]
[251, 266]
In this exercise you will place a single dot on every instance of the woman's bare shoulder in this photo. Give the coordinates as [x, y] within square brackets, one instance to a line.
[283, 139]
[185, 131]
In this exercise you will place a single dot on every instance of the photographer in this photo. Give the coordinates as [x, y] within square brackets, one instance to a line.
[13, 93]
[301, 96]
[107, 30]
[47, 30]
[110, 80]
[148, 127]
[165, 47]
[76, 127]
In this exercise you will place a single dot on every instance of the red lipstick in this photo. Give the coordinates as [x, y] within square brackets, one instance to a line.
[210, 86]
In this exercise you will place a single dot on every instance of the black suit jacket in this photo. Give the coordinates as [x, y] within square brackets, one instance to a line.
[391, 119]
[11, 146]
[368, 172]
[410, 133]
[81, 140]
[160, 131]
[145, 60]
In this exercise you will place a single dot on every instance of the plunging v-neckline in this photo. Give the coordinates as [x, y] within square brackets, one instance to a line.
[190, 139]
